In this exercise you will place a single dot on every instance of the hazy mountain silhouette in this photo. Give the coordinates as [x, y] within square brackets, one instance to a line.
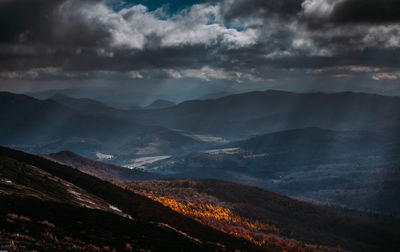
[48, 126]
[87, 105]
[160, 104]
[214, 95]
[256, 113]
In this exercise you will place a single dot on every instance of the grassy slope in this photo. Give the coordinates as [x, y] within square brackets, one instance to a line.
[142, 209]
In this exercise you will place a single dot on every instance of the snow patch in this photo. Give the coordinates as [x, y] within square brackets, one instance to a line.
[143, 161]
[7, 181]
[115, 208]
[228, 151]
[207, 138]
[255, 155]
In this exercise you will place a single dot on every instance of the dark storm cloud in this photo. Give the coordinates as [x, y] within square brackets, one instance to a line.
[337, 12]
[249, 40]
[41, 33]
[318, 33]
[334, 11]
[252, 59]
[23, 19]
[371, 11]
[83, 36]
[125, 60]
[42, 21]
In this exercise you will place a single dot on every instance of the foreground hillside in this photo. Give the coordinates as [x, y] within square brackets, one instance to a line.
[47, 206]
[265, 219]
[268, 218]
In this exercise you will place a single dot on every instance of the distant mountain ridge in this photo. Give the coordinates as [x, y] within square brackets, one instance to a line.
[85, 126]
[314, 139]
[86, 105]
[160, 104]
[255, 113]
[214, 95]
[48, 126]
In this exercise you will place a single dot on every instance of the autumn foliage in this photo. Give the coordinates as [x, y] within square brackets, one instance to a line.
[227, 221]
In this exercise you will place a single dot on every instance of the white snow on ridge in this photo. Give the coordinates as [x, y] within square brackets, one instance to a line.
[120, 212]
[255, 155]
[141, 162]
[115, 208]
[7, 181]
[228, 151]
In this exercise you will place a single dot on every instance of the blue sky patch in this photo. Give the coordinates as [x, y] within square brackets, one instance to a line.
[174, 5]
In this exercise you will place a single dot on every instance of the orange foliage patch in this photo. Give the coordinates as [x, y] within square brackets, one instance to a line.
[227, 221]
[211, 214]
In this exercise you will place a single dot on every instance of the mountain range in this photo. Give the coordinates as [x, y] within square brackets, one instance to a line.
[83, 126]
[160, 104]
[256, 113]
[337, 149]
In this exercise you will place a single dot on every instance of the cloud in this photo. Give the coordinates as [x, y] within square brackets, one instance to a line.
[207, 73]
[352, 11]
[42, 73]
[173, 73]
[238, 41]
[386, 76]
[351, 68]
[138, 28]
[135, 75]
[371, 11]
[319, 9]
[88, 34]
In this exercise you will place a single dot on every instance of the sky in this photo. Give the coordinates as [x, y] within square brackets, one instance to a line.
[183, 49]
